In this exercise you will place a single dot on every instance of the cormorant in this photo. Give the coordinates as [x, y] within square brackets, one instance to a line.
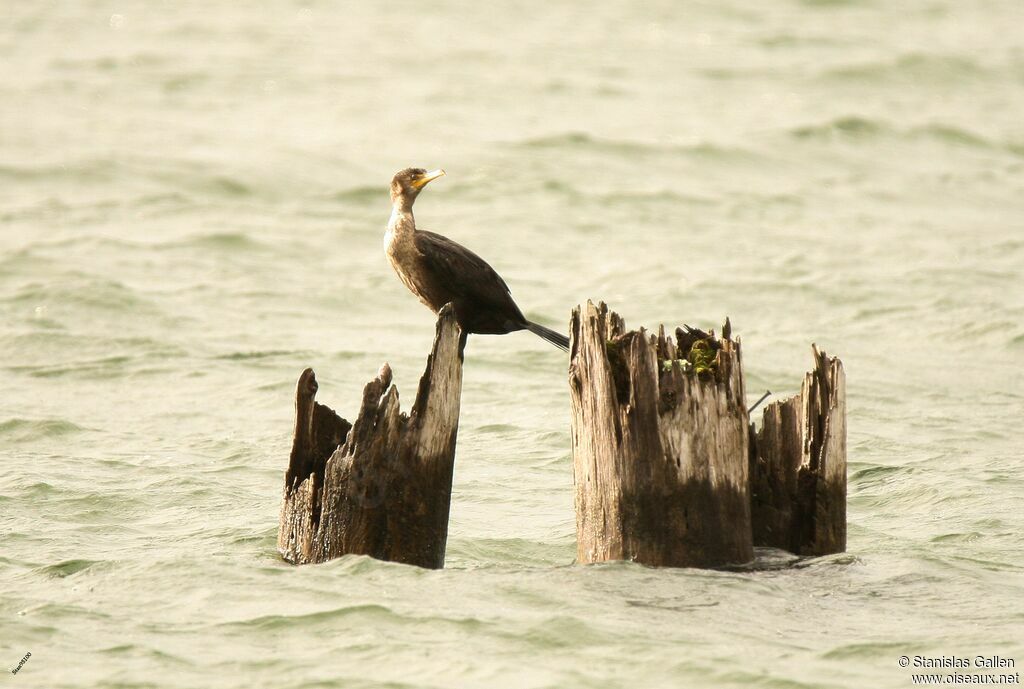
[439, 271]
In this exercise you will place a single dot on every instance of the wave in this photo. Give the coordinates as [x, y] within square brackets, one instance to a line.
[833, 3]
[368, 614]
[53, 354]
[850, 126]
[673, 196]
[564, 631]
[84, 290]
[146, 205]
[958, 136]
[142, 651]
[19, 430]
[951, 134]
[66, 568]
[581, 140]
[557, 140]
[219, 241]
[968, 537]
[267, 354]
[917, 68]
[518, 551]
[105, 367]
[183, 81]
[110, 63]
[865, 650]
[166, 177]
[876, 475]
[360, 194]
[195, 178]
[858, 128]
[500, 429]
[379, 613]
[94, 169]
[27, 253]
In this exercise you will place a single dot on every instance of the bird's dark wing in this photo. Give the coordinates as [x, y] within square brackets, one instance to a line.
[460, 269]
[469, 280]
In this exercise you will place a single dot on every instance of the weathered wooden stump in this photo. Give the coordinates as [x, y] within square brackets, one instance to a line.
[381, 486]
[798, 466]
[660, 444]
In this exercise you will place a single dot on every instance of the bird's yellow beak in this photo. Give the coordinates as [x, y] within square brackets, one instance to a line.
[430, 176]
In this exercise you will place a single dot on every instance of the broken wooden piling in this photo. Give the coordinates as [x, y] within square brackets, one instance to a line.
[382, 485]
[660, 444]
[798, 466]
[669, 471]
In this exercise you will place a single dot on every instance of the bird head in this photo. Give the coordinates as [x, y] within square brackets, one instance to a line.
[406, 185]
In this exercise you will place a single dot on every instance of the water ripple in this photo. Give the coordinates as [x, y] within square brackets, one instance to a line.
[31, 430]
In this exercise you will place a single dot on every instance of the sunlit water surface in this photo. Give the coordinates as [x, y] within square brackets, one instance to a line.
[192, 202]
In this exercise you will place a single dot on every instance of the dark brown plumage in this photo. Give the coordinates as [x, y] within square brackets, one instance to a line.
[439, 271]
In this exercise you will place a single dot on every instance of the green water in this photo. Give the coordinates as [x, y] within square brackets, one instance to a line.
[192, 204]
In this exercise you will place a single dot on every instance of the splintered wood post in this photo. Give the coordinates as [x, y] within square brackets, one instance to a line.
[798, 466]
[659, 444]
[381, 486]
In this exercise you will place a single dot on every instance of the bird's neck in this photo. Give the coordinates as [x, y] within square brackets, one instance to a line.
[402, 221]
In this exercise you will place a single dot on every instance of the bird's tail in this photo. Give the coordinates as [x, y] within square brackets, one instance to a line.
[557, 339]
